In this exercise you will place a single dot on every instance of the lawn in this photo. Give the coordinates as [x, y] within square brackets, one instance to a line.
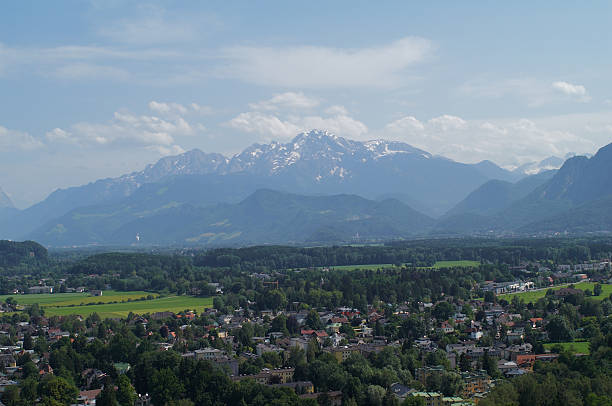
[68, 299]
[581, 347]
[371, 267]
[534, 295]
[453, 264]
[171, 304]
[61, 304]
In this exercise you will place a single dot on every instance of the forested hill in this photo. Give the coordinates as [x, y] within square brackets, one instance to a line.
[16, 253]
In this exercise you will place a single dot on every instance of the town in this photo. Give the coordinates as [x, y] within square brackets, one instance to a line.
[395, 334]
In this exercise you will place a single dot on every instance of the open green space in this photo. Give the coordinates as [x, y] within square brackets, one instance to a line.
[170, 304]
[114, 303]
[453, 264]
[371, 267]
[581, 347]
[71, 299]
[535, 295]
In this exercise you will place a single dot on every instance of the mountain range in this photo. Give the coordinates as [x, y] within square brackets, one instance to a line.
[5, 201]
[318, 188]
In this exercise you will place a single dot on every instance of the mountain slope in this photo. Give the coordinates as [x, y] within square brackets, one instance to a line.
[496, 195]
[580, 180]
[593, 216]
[266, 216]
[316, 162]
[5, 201]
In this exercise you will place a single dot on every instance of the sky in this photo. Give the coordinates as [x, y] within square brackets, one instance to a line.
[100, 88]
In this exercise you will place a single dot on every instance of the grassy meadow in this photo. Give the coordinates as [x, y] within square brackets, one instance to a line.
[535, 295]
[111, 303]
[581, 347]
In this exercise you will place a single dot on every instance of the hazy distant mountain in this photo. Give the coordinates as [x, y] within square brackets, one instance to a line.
[550, 163]
[186, 209]
[316, 162]
[5, 201]
[496, 195]
[576, 199]
[264, 217]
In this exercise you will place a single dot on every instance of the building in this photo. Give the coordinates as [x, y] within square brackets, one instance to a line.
[335, 397]
[209, 354]
[95, 292]
[430, 398]
[343, 353]
[40, 289]
[300, 387]
[475, 382]
[269, 376]
[421, 374]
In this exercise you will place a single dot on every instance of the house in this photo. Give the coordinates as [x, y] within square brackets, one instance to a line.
[430, 398]
[7, 361]
[343, 353]
[446, 327]
[40, 289]
[334, 397]
[269, 376]
[209, 354]
[88, 397]
[421, 374]
[475, 382]
[400, 391]
[300, 387]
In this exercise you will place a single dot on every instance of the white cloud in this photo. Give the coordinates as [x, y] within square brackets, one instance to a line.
[506, 142]
[288, 100]
[341, 125]
[320, 67]
[337, 110]
[59, 135]
[268, 126]
[577, 92]
[176, 109]
[129, 130]
[11, 140]
[568, 88]
[167, 108]
[534, 92]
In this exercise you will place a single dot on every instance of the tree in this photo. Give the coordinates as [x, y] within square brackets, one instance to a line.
[165, 387]
[465, 364]
[559, 329]
[597, 289]
[443, 310]
[375, 395]
[414, 401]
[28, 343]
[126, 395]
[58, 390]
[313, 321]
[107, 397]
[489, 297]
[11, 396]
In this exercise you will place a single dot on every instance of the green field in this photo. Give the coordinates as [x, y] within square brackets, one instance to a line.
[371, 267]
[581, 347]
[437, 265]
[171, 304]
[62, 304]
[453, 264]
[535, 295]
[69, 299]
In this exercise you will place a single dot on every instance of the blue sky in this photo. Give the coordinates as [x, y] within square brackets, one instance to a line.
[92, 89]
